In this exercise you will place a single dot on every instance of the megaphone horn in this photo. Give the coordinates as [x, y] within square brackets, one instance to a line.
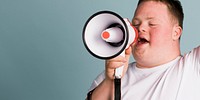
[106, 35]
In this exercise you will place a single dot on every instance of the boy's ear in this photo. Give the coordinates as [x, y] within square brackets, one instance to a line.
[177, 31]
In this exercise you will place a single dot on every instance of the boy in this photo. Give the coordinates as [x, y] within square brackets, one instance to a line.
[160, 72]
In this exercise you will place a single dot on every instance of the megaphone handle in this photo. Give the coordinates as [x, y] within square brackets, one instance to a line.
[119, 71]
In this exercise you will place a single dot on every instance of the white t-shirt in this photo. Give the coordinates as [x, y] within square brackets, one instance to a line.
[176, 80]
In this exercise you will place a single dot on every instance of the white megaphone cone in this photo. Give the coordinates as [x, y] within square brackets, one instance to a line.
[107, 35]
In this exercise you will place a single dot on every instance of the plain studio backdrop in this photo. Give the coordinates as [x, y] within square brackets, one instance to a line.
[42, 56]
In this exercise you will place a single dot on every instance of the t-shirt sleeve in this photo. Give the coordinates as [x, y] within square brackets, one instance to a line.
[97, 81]
[196, 56]
[193, 59]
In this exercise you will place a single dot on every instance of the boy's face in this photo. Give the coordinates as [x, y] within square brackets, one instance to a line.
[155, 26]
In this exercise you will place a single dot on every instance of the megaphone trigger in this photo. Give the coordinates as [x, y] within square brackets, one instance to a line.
[119, 70]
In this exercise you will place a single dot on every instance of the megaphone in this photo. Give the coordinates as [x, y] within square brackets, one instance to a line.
[107, 35]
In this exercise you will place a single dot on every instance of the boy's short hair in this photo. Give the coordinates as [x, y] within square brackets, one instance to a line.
[175, 8]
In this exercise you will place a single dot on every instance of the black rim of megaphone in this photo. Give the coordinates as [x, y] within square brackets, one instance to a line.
[126, 40]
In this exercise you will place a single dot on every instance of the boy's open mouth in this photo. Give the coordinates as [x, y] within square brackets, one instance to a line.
[142, 41]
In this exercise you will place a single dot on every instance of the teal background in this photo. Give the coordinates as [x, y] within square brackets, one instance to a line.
[42, 56]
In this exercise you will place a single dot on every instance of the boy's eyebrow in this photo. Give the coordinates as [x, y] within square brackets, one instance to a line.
[135, 19]
[148, 18]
